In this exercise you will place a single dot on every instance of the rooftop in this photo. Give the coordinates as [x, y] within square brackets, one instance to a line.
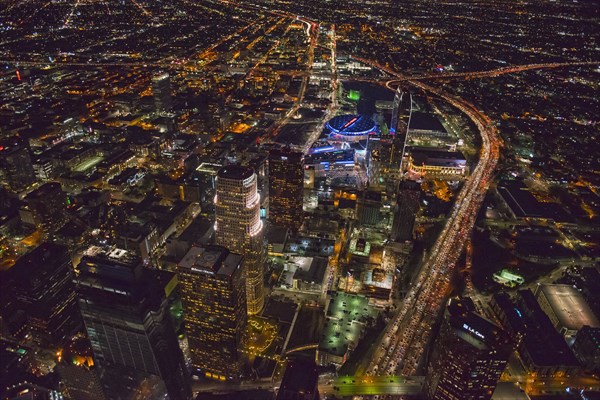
[569, 306]
[115, 254]
[346, 318]
[435, 153]
[351, 124]
[211, 259]
[545, 346]
[474, 328]
[286, 154]
[425, 122]
[301, 376]
[235, 172]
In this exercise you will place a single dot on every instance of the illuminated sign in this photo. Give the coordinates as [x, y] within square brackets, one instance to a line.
[473, 331]
[518, 312]
[204, 271]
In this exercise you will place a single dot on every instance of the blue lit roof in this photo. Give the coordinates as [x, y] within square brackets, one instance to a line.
[351, 125]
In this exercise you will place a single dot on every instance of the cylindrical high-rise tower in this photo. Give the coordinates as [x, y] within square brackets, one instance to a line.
[239, 228]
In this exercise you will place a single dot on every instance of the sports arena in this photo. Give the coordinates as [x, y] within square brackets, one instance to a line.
[350, 128]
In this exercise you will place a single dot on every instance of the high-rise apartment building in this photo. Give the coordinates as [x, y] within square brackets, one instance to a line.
[238, 227]
[15, 163]
[126, 316]
[405, 212]
[213, 295]
[161, 91]
[286, 188]
[468, 357]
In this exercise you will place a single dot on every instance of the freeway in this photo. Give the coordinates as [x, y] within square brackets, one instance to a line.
[491, 73]
[406, 336]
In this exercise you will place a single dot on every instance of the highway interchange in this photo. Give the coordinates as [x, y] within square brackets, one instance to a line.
[407, 334]
[400, 353]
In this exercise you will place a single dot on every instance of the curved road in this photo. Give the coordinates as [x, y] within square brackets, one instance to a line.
[490, 73]
[406, 336]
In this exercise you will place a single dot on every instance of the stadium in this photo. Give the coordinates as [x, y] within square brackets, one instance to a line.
[350, 128]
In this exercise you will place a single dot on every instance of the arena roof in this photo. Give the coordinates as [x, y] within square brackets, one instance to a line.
[351, 125]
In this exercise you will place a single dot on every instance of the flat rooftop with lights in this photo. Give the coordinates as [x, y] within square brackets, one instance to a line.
[566, 308]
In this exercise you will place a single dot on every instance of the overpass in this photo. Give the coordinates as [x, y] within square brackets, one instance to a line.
[341, 386]
[401, 386]
[311, 346]
[373, 385]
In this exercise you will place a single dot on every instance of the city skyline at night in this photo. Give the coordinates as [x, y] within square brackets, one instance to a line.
[315, 199]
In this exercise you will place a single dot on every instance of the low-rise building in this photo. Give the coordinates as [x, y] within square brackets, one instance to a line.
[566, 308]
[436, 162]
[347, 318]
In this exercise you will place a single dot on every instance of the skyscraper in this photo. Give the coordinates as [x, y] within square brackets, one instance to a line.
[401, 114]
[161, 90]
[214, 303]
[80, 382]
[47, 204]
[405, 212]
[368, 207]
[286, 188]
[238, 227]
[15, 163]
[127, 319]
[468, 356]
[41, 283]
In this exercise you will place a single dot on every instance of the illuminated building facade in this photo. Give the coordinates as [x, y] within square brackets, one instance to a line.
[286, 191]
[161, 90]
[214, 303]
[438, 163]
[126, 315]
[468, 357]
[239, 228]
[15, 163]
[350, 128]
